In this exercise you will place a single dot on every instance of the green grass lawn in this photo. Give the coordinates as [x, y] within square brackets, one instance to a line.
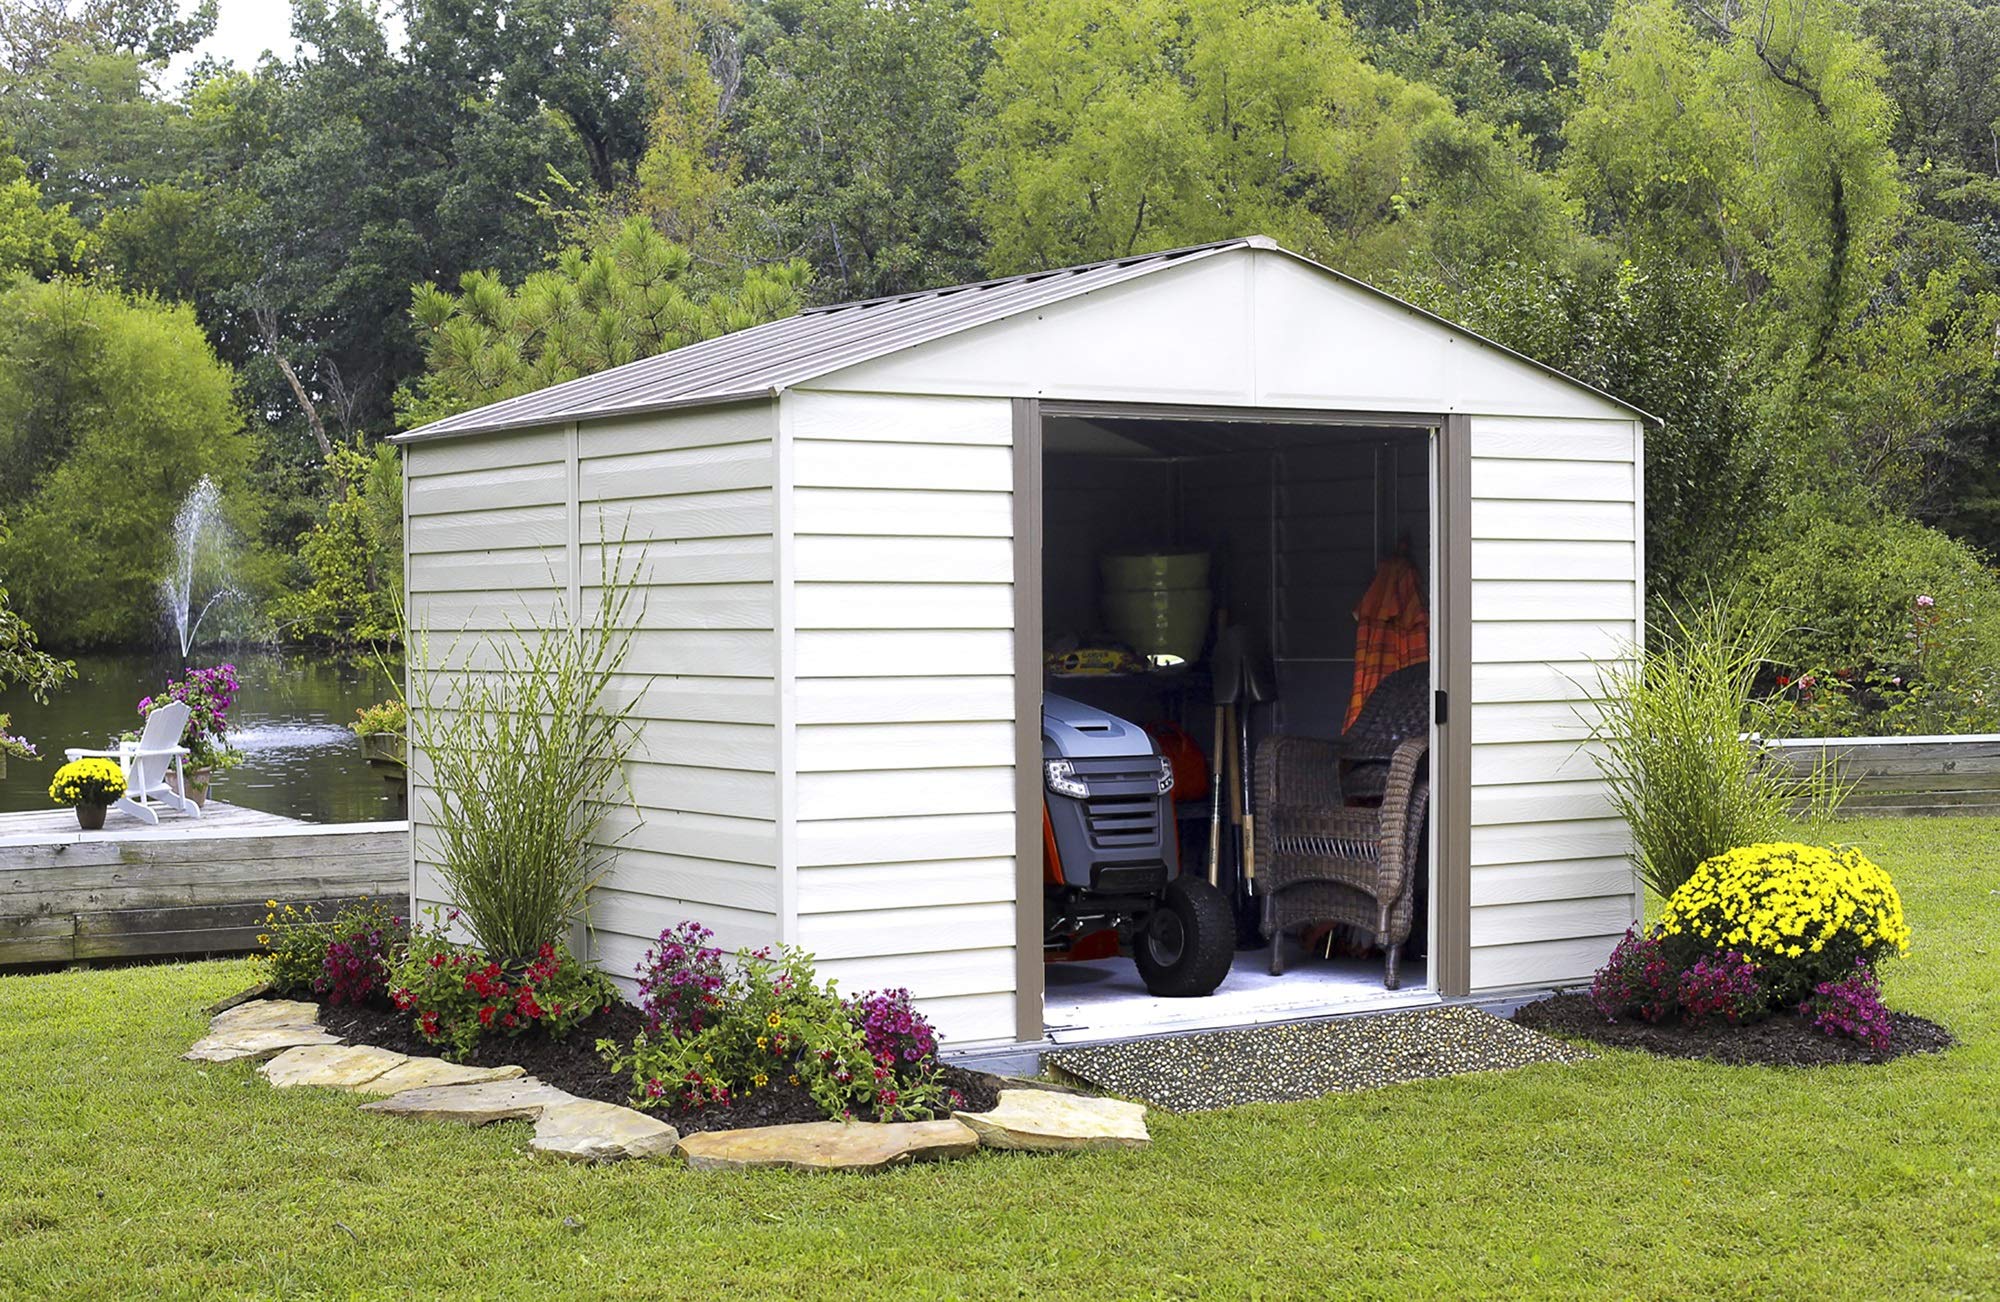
[125, 1171]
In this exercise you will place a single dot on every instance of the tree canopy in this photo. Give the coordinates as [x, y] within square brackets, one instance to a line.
[1774, 223]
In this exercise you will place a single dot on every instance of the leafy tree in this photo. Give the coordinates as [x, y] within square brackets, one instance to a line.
[1753, 141]
[111, 407]
[396, 167]
[1107, 129]
[31, 31]
[688, 56]
[1513, 62]
[23, 663]
[1663, 337]
[34, 237]
[563, 56]
[354, 557]
[592, 311]
[854, 122]
[92, 128]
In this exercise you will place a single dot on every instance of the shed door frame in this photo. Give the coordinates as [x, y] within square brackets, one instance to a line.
[1451, 625]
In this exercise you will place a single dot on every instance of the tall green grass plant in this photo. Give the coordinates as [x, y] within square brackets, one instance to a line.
[1675, 725]
[526, 748]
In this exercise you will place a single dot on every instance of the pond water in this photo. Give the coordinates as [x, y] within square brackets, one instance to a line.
[290, 721]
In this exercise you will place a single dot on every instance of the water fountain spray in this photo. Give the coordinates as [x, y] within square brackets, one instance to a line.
[196, 517]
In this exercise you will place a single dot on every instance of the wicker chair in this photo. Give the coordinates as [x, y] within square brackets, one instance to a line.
[1320, 859]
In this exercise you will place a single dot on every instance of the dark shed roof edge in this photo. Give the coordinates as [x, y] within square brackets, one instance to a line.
[1090, 277]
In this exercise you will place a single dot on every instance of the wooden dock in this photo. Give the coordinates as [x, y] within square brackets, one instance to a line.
[185, 887]
[1902, 776]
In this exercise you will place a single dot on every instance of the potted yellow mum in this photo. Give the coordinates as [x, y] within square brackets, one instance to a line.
[90, 785]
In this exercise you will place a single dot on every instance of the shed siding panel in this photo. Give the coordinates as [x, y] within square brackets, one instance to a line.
[506, 524]
[488, 541]
[903, 617]
[1557, 587]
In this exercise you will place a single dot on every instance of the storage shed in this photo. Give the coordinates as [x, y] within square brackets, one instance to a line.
[864, 527]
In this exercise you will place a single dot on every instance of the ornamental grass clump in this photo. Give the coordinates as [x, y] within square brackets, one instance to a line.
[526, 754]
[1671, 725]
[1802, 914]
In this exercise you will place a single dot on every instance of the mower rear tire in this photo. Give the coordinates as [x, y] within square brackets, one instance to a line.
[1187, 945]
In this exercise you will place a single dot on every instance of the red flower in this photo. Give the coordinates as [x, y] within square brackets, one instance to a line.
[1784, 680]
[437, 960]
[486, 1015]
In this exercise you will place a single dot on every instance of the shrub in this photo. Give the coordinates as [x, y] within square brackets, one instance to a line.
[1851, 1007]
[1843, 576]
[87, 782]
[391, 716]
[1801, 913]
[459, 995]
[358, 946]
[1722, 985]
[1671, 724]
[524, 762]
[209, 693]
[769, 1020]
[681, 979]
[1636, 981]
[294, 944]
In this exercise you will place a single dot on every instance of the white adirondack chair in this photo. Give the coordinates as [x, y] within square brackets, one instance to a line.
[146, 763]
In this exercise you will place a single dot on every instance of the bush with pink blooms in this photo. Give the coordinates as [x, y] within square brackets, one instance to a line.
[724, 1029]
[1851, 1007]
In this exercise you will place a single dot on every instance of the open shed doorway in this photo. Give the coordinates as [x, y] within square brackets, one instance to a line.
[1164, 537]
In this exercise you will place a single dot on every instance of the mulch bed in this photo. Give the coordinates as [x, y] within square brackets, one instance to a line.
[573, 1064]
[1786, 1040]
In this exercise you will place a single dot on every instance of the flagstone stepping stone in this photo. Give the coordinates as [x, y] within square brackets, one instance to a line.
[255, 1042]
[1044, 1121]
[266, 1012]
[428, 1073]
[474, 1105]
[828, 1146]
[335, 1066]
[590, 1131]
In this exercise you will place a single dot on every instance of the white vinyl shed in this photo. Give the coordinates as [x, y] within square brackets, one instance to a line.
[843, 518]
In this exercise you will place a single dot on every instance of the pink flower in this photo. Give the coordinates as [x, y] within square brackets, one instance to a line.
[1925, 602]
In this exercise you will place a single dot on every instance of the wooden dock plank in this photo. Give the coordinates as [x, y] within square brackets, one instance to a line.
[1904, 776]
[201, 888]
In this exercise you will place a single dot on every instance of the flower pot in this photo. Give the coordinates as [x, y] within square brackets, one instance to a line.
[91, 817]
[197, 785]
[385, 748]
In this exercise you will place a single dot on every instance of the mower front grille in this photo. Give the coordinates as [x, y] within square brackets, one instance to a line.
[1124, 810]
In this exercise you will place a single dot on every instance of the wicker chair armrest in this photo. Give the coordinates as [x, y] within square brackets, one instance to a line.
[1405, 803]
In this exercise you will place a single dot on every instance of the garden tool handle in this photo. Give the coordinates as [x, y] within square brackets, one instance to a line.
[1215, 803]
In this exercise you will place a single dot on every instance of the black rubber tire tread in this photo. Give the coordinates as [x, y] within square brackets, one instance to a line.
[1208, 950]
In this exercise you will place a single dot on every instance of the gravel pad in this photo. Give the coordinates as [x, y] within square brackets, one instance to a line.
[1305, 1060]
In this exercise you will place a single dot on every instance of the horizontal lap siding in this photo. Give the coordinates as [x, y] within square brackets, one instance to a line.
[1556, 589]
[903, 708]
[488, 550]
[687, 500]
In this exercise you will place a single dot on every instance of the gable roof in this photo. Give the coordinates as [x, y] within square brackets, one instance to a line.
[764, 360]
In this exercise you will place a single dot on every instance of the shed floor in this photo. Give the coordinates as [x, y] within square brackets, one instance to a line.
[1105, 1000]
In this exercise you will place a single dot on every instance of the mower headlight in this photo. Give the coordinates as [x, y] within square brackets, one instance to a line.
[1062, 779]
[1166, 775]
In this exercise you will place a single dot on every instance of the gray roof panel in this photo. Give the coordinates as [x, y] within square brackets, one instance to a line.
[763, 360]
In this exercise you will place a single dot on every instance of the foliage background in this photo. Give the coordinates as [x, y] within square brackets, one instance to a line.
[1774, 223]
